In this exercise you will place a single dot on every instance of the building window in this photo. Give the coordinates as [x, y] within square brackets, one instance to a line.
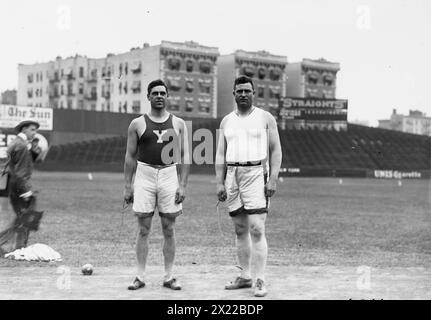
[61, 105]
[328, 94]
[136, 86]
[125, 87]
[125, 68]
[93, 107]
[274, 92]
[120, 107]
[36, 93]
[275, 74]
[173, 105]
[93, 75]
[174, 83]
[328, 79]
[125, 106]
[40, 92]
[70, 89]
[136, 67]
[30, 93]
[205, 66]
[55, 104]
[174, 64]
[81, 104]
[189, 105]
[81, 88]
[249, 71]
[205, 86]
[261, 73]
[312, 93]
[312, 77]
[120, 88]
[62, 73]
[69, 104]
[37, 77]
[204, 105]
[189, 65]
[108, 72]
[136, 106]
[103, 72]
[30, 78]
[120, 69]
[204, 108]
[61, 90]
[261, 92]
[189, 86]
[81, 72]
[93, 93]
[56, 76]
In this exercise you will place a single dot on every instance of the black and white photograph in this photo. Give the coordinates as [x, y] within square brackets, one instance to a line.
[234, 152]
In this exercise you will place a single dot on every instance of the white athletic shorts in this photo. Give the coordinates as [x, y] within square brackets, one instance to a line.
[245, 188]
[155, 189]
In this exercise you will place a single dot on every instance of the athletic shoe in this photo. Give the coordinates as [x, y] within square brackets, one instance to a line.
[172, 284]
[137, 284]
[260, 289]
[239, 283]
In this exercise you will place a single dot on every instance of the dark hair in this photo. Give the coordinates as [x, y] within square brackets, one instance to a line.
[156, 83]
[242, 80]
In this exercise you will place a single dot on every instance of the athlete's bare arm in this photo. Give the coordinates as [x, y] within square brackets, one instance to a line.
[185, 161]
[135, 128]
[274, 155]
[220, 163]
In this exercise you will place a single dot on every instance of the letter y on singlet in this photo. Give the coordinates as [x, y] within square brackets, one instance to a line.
[159, 134]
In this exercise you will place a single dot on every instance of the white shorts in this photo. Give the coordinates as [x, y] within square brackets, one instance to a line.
[245, 188]
[155, 189]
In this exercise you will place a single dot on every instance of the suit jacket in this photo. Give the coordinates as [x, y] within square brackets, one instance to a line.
[20, 166]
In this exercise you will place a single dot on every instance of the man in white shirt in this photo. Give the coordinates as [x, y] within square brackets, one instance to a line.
[248, 142]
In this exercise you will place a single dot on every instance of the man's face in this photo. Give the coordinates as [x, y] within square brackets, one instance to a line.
[30, 131]
[244, 95]
[158, 97]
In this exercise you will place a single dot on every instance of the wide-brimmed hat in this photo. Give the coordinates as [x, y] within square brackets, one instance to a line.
[26, 123]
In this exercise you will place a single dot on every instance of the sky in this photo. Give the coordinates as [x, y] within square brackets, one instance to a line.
[383, 46]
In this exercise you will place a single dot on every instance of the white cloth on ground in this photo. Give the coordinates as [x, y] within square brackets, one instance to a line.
[35, 252]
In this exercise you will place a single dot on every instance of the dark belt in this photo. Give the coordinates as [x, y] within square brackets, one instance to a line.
[158, 166]
[244, 164]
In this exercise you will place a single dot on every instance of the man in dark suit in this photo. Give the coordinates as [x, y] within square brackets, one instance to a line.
[20, 169]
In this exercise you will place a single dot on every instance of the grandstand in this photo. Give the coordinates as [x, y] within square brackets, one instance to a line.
[314, 152]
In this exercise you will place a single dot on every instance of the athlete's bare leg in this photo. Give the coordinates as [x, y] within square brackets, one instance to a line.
[243, 243]
[168, 227]
[142, 244]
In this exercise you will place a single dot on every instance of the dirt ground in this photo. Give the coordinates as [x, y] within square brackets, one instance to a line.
[206, 282]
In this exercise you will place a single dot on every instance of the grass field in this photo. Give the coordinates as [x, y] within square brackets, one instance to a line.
[313, 222]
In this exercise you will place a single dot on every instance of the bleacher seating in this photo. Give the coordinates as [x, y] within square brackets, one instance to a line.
[359, 147]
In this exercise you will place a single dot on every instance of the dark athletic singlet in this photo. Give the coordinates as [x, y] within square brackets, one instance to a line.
[155, 137]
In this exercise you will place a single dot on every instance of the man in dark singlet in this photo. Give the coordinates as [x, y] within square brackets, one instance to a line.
[157, 144]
